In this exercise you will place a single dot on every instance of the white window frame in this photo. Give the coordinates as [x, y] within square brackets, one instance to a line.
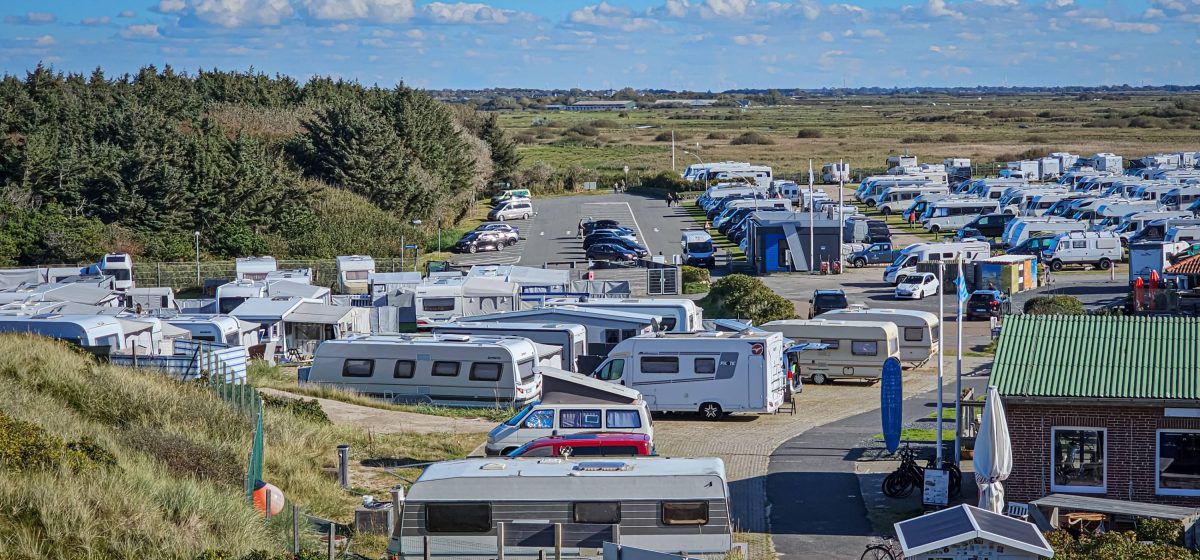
[1158, 489]
[1103, 488]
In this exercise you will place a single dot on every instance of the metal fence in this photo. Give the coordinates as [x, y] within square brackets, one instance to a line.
[182, 275]
[228, 386]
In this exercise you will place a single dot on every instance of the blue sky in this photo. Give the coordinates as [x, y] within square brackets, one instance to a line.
[673, 44]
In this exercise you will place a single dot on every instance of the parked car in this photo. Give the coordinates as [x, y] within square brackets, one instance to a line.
[513, 209]
[991, 225]
[876, 253]
[970, 234]
[623, 242]
[510, 233]
[918, 286]
[826, 300]
[604, 235]
[611, 252]
[877, 230]
[988, 303]
[476, 241]
[593, 225]
[1033, 246]
[608, 444]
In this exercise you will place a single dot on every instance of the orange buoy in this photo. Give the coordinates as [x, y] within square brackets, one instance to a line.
[261, 490]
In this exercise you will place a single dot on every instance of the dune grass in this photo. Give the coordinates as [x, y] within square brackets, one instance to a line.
[158, 501]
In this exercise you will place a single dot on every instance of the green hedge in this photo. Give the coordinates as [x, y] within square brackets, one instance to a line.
[738, 296]
[1054, 305]
[693, 274]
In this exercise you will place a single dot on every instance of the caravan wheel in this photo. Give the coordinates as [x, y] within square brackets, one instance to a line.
[710, 411]
[819, 378]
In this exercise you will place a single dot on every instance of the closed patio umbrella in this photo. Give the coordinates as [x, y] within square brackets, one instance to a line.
[993, 453]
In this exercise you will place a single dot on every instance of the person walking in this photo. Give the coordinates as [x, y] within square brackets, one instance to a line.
[581, 228]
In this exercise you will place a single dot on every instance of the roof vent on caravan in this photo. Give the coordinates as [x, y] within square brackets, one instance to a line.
[492, 467]
[456, 337]
[709, 334]
[603, 466]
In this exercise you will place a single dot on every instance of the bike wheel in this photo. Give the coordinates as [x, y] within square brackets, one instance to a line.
[893, 484]
[877, 552]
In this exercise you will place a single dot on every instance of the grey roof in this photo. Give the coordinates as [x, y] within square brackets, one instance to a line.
[286, 288]
[266, 310]
[522, 275]
[962, 523]
[394, 278]
[319, 313]
[564, 387]
[566, 312]
[1074, 502]
[770, 218]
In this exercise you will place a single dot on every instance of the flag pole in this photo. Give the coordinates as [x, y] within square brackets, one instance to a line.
[962, 287]
[812, 263]
[941, 354]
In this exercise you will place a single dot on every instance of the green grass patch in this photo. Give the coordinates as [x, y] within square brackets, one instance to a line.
[720, 241]
[695, 288]
[918, 435]
[947, 414]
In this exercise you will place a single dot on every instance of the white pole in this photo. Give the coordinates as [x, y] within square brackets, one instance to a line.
[812, 263]
[941, 354]
[958, 374]
[672, 150]
[841, 203]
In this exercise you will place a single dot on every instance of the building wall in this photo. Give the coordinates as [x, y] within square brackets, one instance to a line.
[1130, 448]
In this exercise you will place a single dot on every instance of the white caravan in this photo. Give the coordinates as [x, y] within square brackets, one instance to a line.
[949, 214]
[217, 328]
[719, 171]
[571, 338]
[84, 330]
[917, 329]
[1101, 249]
[713, 373]
[150, 298]
[354, 272]
[896, 199]
[906, 262]
[449, 370]
[853, 349]
[835, 172]
[253, 268]
[678, 315]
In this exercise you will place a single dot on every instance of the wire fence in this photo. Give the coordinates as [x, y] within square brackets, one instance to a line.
[183, 275]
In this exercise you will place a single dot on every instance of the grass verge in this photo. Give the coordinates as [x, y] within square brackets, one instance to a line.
[917, 435]
[723, 243]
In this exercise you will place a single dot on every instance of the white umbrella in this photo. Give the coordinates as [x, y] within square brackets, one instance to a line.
[993, 454]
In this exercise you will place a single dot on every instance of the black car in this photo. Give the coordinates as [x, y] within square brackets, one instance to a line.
[878, 231]
[991, 225]
[602, 236]
[734, 220]
[1033, 246]
[611, 252]
[476, 241]
[593, 225]
[826, 300]
[988, 303]
[620, 241]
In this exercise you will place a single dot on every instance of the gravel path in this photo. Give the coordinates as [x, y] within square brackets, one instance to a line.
[391, 421]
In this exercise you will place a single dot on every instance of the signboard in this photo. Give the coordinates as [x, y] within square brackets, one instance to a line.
[410, 246]
[937, 487]
[891, 403]
[626, 169]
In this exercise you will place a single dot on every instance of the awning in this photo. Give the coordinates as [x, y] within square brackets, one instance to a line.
[807, 346]
[565, 387]
[318, 313]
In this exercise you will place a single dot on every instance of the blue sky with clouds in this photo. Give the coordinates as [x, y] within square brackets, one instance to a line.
[673, 44]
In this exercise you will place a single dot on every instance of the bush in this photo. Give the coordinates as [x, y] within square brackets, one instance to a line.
[809, 133]
[1009, 114]
[1035, 140]
[717, 135]
[695, 274]
[664, 137]
[752, 137]
[525, 138]
[1054, 305]
[917, 139]
[308, 409]
[25, 446]
[583, 130]
[738, 296]
[695, 287]
[1161, 531]
[605, 123]
[950, 139]
[187, 458]
[667, 181]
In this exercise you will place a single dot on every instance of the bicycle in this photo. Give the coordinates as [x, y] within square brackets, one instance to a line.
[909, 476]
[887, 548]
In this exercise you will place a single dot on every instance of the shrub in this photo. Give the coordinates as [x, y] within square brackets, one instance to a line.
[186, 458]
[664, 137]
[717, 135]
[695, 274]
[1035, 140]
[1161, 531]
[26, 447]
[809, 133]
[695, 287]
[605, 123]
[1009, 114]
[752, 137]
[666, 180]
[738, 296]
[308, 409]
[583, 130]
[950, 139]
[917, 139]
[1054, 305]
[525, 138]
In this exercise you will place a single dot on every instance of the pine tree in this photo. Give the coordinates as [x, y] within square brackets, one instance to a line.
[504, 151]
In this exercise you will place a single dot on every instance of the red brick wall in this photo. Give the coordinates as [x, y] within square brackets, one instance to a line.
[1130, 448]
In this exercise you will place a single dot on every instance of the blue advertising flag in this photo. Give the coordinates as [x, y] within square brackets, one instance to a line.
[962, 287]
[891, 403]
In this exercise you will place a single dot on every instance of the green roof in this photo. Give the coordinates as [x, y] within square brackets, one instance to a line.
[1079, 356]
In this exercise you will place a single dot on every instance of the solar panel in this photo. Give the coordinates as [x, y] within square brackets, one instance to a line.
[931, 528]
[603, 466]
[1008, 527]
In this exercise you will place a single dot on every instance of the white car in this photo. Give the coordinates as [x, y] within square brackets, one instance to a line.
[917, 286]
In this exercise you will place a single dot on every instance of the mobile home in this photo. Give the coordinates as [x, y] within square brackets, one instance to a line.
[353, 273]
[653, 503]
[571, 338]
[450, 370]
[712, 373]
[854, 349]
[918, 330]
[678, 315]
[253, 268]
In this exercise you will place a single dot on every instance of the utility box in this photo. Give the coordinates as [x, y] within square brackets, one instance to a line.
[375, 519]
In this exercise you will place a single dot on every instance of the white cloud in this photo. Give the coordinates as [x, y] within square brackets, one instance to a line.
[1152, 13]
[726, 8]
[383, 33]
[829, 58]
[126, 14]
[1176, 5]
[144, 31]
[875, 33]
[1059, 3]
[236, 13]
[94, 21]
[238, 50]
[935, 48]
[326, 42]
[1148, 28]
[938, 8]
[607, 15]
[754, 39]
[810, 10]
[45, 41]
[470, 13]
[415, 34]
[374, 42]
[1000, 3]
[32, 18]
[848, 33]
[171, 6]
[677, 8]
[382, 11]
[825, 36]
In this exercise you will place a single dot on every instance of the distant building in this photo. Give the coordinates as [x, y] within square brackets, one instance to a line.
[580, 106]
[697, 102]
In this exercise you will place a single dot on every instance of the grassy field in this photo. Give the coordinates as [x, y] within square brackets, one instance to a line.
[860, 130]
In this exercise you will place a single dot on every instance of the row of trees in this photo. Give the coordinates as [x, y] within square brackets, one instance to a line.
[138, 163]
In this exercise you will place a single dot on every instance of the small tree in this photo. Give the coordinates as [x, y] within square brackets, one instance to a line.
[1054, 305]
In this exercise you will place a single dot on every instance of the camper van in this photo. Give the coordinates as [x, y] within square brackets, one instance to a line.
[895, 199]
[760, 175]
[854, 349]
[712, 373]
[353, 272]
[515, 209]
[906, 261]
[448, 370]
[1020, 229]
[1101, 249]
[84, 330]
[509, 194]
[917, 329]
[253, 268]
[678, 315]
[571, 338]
[572, 404]
[697, 249]
[652, 503]
[950, 214]
[120, 267]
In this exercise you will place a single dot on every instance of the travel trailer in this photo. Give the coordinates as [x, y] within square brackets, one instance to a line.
[853, 349]
[447, 299]
[678, 315]
[917, 329]
[233, 294]
[571, 338]
[253, 268]
[150, 298]
[83, 330]
[354, 272]
[449, 370]
[835, 172]
[217, 328]
[712, 373]
[479, 505]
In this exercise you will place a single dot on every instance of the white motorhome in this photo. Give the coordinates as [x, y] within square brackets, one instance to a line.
[570, 337]
[712, 172]
[450, 370]
[1180, 198]
[1020, 229]
[918, 329]
[253, 268]
[353, 273]
[1040, 204]
[712, 373]
[1016, 201]
[651, 503]
[853, 349]
[697, 248]
[896, 199]
[120, 267]
[906, 262]
[678, 315]
[949, 214]
[1101, 249]
[84, 330]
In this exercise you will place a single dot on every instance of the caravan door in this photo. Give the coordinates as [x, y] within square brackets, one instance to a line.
[756, 378]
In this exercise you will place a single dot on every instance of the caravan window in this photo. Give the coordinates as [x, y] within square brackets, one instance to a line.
[660, 364]
[685, 513]
[356, 275]
[706, 365]
[579, 419]
[445, 369]
[913, 334]
[864, 348]
[833, 344]
[485, 371]
[458, 518]
[599, 513]
[358, 368]
[611, 371]
[623, 419]
[668, 324]
[438, 304]
[525, 369]
[404, 369]
[612, 336]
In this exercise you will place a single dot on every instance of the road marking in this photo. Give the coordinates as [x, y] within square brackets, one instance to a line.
[632, 217]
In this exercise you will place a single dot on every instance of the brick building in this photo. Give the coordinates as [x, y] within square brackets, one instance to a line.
[1102, 406]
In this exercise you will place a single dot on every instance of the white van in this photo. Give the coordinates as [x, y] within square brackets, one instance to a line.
[896, 199]
[449, 370]
[515, 209]
[571, 404]
[697, 249]
[713, 373]
[1101, 248]
[678, 315]
[906, 261]
[918, 329]
[854, 349]
[1020, 229]
[949, 214]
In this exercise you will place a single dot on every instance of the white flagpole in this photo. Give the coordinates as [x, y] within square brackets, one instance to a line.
[841, 203]
[958, 372]
[812, 263]
[672, 150]
[941, 353]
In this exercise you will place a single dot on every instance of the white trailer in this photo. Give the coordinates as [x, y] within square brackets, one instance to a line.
[853, 349]
[835, 172]
[571, 338]
[253, 268]
[353, 273]
[917, 329]
[84, 330]
[713, 373]
[678, 315]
